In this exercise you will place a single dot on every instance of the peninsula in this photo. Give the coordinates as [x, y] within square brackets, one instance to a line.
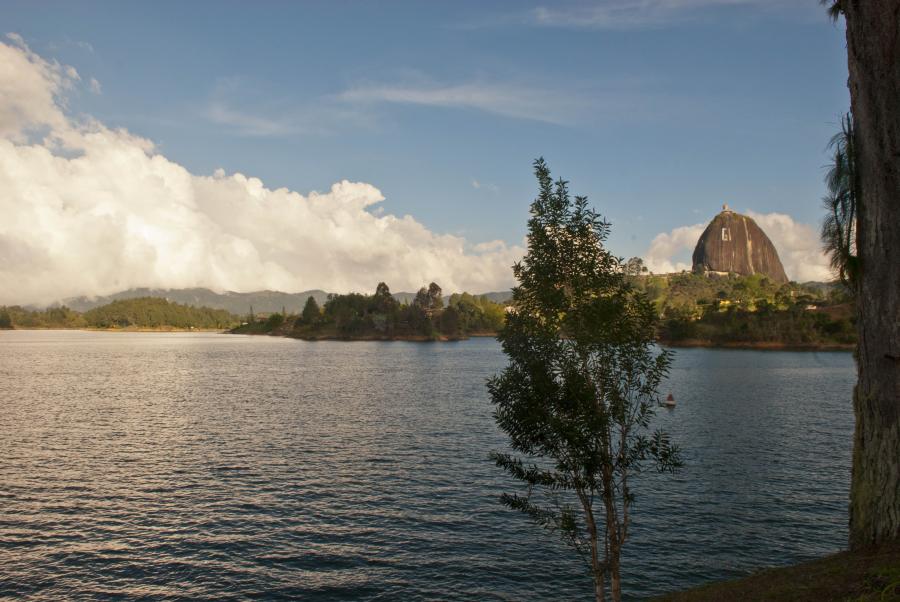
[382, 317]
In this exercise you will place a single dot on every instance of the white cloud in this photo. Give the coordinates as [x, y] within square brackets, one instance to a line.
[634, 14]
[797, 244]
[508, 100]
[667, 249]
[242, 107]
[95, 86]
[32, 91]
[246, 123]
[92, 210]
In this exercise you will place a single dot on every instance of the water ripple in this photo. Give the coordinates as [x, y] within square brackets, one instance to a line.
[208, 467]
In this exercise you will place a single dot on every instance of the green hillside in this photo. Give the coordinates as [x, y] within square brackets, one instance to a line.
[144, 312]
[749, 310]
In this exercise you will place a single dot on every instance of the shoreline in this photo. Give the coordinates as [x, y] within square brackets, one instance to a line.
[758, 345]
[414, 338]
[129, 329]
[866, 575]
[684, 344]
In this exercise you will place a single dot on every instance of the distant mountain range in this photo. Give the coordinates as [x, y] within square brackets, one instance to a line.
[237, 303]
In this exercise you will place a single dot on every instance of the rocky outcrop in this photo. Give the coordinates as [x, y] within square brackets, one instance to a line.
[734, 243]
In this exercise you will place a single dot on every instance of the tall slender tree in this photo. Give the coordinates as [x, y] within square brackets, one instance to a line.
[311, 313]
[873, 59]
[580, 389]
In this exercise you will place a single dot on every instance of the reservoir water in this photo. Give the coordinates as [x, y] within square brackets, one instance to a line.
[205, 466]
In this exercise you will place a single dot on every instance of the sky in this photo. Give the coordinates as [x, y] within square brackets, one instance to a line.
[291, 146]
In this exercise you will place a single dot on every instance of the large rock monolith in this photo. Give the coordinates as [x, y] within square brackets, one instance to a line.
[734, 244]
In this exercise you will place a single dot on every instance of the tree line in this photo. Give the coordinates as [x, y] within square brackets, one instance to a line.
[381, 316]
[142, 312]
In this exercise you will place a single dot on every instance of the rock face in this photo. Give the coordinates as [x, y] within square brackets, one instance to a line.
[733, 243]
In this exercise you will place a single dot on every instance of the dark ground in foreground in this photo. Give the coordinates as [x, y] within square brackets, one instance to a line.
[860, 576]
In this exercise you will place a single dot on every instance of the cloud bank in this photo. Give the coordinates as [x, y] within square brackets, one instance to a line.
[91, 210]
[797, 244]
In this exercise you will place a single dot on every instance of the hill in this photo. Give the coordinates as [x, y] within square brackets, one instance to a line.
[153, 312]
[750, 311]
[382, 317]
[262, 302]
[235, 303]
[139, 313]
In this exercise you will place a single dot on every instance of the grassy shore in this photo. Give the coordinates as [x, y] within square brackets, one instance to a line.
[860, 576]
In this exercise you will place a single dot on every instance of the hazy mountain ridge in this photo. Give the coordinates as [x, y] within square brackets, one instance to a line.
[236, 303]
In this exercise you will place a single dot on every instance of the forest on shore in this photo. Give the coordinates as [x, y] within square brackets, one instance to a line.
[749, 311]
[695, 310]
[150, 313]
[381, 316]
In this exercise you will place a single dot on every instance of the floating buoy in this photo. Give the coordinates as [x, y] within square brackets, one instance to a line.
[670, 401]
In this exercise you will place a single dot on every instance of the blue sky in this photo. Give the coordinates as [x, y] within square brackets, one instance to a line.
[658, 110]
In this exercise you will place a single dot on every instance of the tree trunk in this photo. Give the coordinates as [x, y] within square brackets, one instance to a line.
[873, 49]
[597, 571]
[615, 574]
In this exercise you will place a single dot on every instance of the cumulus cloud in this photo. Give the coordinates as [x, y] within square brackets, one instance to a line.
[32, 91]
[797, 244]
[667, 249]
[90, 210]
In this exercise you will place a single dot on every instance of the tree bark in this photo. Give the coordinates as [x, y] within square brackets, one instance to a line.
[873, 51]
[615, 574]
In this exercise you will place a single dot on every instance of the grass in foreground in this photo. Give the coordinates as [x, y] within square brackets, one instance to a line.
[860, 576]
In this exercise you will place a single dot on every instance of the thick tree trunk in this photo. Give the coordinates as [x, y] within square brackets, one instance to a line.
[873, 49]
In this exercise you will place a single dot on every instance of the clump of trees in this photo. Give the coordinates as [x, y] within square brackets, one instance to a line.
[153, 312]
[477, 314]
[53, 317]
[578, 395]
[380, 315]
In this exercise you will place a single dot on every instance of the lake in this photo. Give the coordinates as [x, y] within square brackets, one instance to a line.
[206, 466]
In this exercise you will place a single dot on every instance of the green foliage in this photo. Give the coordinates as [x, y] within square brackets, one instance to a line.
[834, 8]
[841, 204]
[579, 392]
[430, 298]
[152, 312]
[143, 312]
[5, 319]
[311, 312]
[450, 322]
[478, 314]
[274, 321]
[749, 309]
[380, 316]
[52, 317]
